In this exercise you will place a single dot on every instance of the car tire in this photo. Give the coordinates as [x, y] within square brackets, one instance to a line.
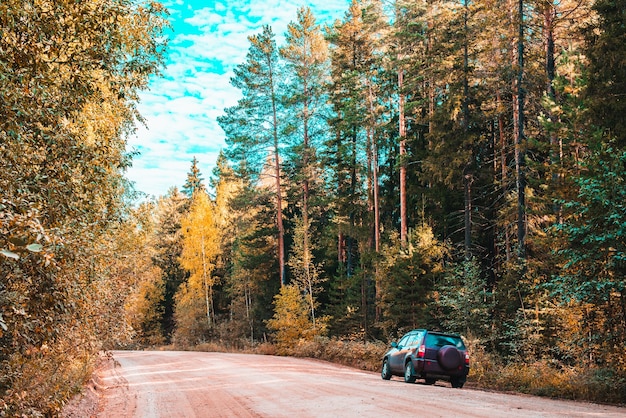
[385, 372]
[430, 381]
[409, 372]
[457, 382]
[449, 357]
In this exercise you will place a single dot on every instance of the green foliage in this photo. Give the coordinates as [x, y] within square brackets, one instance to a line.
[248, 262]
[465, 301]
[594, 260]
[345, 307]
[596, 229]
[409, 277]
[168, 214]
[193, 183]
[606, 51]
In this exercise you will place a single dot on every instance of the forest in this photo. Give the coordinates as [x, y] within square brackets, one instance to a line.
[453, 165]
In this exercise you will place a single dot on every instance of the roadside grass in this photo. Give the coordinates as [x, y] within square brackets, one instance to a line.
[358, 354]
[43, 381]
[547, 378]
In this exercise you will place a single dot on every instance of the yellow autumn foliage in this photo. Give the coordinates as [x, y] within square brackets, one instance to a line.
[201, 245]
[291, 322]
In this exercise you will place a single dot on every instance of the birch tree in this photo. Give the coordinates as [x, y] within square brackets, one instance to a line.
[201, 245]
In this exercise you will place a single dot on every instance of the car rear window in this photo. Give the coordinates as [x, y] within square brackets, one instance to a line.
[439, 340]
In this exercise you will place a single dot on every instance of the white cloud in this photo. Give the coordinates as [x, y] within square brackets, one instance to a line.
[181, 107]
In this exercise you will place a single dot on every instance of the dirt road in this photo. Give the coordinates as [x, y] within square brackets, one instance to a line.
[189, 384]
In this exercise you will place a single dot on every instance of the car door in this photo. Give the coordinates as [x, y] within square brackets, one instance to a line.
[396, 357]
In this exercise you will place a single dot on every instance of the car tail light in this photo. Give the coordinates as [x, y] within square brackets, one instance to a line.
[421, 351]
[467, 358]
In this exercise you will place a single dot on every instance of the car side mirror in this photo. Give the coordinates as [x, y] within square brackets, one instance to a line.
[394, 344]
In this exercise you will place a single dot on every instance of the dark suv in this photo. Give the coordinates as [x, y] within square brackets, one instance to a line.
[427, 355]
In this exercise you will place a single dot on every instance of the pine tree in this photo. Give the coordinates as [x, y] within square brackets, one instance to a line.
[253, 262]
[412, 272]
[194, 182]
[595, 259]
[351, 60]
[305, 54]
[351, 153]
[606, 88]
[255, 124]
[452, 100]
[170, 210]
[408, 29]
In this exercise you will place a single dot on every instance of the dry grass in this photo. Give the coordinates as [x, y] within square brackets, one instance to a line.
[547, 378]
[358, 354]
[44, 382]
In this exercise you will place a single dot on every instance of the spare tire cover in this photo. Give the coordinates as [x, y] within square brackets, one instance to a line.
[449, 357]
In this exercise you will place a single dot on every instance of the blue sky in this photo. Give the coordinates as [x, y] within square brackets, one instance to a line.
[209, 39]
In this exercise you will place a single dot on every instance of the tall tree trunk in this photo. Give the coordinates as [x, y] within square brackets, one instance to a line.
[306, 174]
[378, 285]
[371, 240]
[375, 198]
[306, 161]
[205, 282]
[341, 248]
[468, 176]
[467, 196]
[279, 201]
[350, 241]
[549, 16]
[374, 170]
[402, 133]
[518, 127]
[503, 172]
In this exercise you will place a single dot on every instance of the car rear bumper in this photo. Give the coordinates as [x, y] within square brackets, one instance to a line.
[426, 367]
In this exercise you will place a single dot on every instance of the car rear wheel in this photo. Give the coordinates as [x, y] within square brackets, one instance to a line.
[386, 371]
[409, 372]
[457, 382]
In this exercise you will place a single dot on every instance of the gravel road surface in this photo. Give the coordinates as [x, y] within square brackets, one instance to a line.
[149, 384]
